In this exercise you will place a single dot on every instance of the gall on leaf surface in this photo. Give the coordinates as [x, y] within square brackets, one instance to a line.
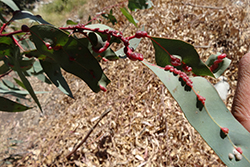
[222, 65]
[74, 57]
[181, 49]
[205, 119]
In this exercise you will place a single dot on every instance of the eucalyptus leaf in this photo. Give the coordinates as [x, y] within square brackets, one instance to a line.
[209, 118]
[11, 106]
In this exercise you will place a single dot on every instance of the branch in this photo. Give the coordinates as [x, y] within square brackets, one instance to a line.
[11, 33]
[90, 131]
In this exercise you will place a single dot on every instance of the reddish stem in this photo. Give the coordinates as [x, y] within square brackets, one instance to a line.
[11, 33]
[16, 42]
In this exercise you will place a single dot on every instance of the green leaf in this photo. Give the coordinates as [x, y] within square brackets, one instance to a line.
[89, 22]
[110, 17]
[182, 49]
[38, 72]
[6, 40]
[11, 4]
[4, 68]
[73, 56]
[130, 18]
[11, 106]
[70, 22]
[6, 47]
[222, 66]
[53, 71]
[207, 120]
[19, 83]
[25, 64]
[23, 79]
[26, 43]
[139, 4]
[2, 18]
[19, 15]
[9, 85]
[34, 53]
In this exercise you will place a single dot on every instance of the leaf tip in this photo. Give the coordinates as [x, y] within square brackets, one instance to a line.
[103, 88]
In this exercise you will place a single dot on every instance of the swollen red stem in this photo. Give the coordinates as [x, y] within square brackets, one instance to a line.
[127, 50]
[105, 47]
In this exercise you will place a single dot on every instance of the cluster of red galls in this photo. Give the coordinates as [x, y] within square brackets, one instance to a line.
[182, 75]
[219, 59]
[186, 79]
[127, 50]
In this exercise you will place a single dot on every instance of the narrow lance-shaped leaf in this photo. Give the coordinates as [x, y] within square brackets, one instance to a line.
[25, 82]
[2, 18]
[208, 120]
[70, 22]
[11, 106]
[130, 18]
[3, 68]
[19, 83]
[7, 87]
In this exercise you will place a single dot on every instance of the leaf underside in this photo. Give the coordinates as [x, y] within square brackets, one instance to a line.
[206, 119]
